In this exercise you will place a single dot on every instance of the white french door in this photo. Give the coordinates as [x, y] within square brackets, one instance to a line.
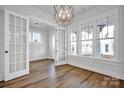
[16, 46]
[61, 47]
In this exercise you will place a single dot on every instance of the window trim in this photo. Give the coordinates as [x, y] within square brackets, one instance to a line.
[76, 29]
[112, 12]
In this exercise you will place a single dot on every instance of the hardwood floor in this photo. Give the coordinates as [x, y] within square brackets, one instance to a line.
[43, 74]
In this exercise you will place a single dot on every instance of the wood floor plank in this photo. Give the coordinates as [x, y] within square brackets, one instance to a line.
[43, 74]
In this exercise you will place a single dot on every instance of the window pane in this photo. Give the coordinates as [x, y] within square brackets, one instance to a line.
[111, 26]
[12, 19]
[90, 30]
[18, 21]
[86, 48]
[73, 36]
[36, 37]
[106, 48]
[99, 28]
[102, 28]
[85, 32]
[83, 47]
[73, 48]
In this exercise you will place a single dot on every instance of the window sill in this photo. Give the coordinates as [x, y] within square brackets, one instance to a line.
[115, 62]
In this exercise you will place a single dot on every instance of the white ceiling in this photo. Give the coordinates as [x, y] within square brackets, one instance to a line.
[49, 10]
[40, 26]
[78, 9]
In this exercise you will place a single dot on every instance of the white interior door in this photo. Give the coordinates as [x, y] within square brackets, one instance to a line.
[61, 47]
[16, 46]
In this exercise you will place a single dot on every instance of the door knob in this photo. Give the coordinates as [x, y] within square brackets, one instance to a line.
[6, 51]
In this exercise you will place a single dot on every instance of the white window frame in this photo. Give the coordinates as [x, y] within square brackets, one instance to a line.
[80, 38]
[31, 37]
[73, 28]
[113, 12]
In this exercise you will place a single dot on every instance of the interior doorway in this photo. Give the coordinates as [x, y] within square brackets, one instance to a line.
[41, 40]
[47, 42]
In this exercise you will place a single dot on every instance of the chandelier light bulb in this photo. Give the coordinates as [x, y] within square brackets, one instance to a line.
[68, 15]
[63, 17]
[66, 11]
[60, 16]
[61, 11]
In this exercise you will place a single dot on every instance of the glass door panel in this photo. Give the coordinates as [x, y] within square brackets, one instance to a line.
[60, 47]
[11, 19]
[24, 65]
[18, 21]
[16, 44]
[11, 68]
[18, 66]
[23, 23]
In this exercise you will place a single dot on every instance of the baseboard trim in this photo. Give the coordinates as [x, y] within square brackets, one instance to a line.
[40, 59]
[108, 73]
[57, 64]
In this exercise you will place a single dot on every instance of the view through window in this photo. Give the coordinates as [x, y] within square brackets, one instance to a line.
[95, 38]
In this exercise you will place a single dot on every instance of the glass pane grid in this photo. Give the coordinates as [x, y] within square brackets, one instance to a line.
[107, 48]
[106, 27]
[101, 32]
[11, 29]
[17, 44]
[105, 38]
[12, 41]
[11, 19]
[11, 68]
[24, 65]
[86, 49]
[18, 66]
[18, 21]
[23, 23]
[11, 58]
[87, 31]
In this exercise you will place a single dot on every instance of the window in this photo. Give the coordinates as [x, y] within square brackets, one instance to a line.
[96, 38]
[73, 43]
[105, 29]
[106, 48]
[87, 39]
[35, 37]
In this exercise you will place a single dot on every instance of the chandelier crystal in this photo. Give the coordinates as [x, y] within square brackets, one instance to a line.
[63, 14]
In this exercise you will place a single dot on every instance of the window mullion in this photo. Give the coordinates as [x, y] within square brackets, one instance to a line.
[94, 41]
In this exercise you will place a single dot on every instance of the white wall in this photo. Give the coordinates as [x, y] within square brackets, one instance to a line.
[102, 66]
[1, 44]
[39, 51]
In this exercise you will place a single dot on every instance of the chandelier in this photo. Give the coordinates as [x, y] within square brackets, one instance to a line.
[63, 14]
